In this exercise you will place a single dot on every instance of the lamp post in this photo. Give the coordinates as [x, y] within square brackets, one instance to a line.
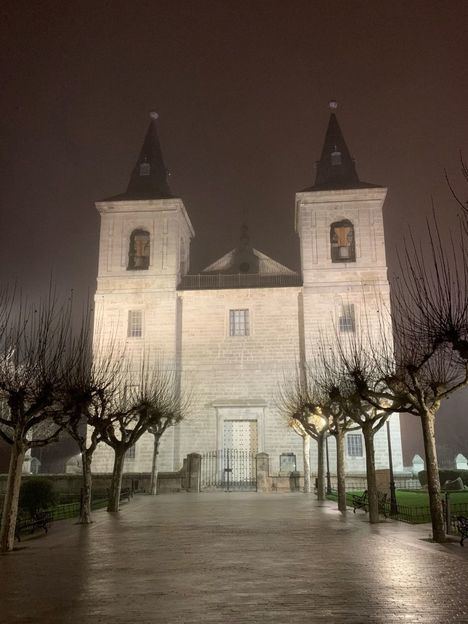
[393, 501]
[329, 489]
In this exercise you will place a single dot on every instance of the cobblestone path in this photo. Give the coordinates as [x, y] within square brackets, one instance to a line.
[233, 558]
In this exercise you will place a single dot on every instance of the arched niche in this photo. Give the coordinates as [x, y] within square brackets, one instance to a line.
[139, 250]
[342, 241]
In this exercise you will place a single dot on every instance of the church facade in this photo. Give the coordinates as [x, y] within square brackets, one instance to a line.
[238, 330]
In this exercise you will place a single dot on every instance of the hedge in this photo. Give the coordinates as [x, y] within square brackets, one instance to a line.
[445, 475]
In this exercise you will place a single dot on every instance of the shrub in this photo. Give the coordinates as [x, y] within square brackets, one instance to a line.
[445, 475]
[37, 494]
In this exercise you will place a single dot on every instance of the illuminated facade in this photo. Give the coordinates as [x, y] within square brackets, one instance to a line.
[238, 329]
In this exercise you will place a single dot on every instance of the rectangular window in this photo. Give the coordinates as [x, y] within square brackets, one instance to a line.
[239, 323]
[135, 324]
[347, 319]
[354, 444]
[130, 454]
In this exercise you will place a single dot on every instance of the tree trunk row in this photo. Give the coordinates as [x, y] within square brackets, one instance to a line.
[433, 481]
[10, 505]
[116, 481]
[321, 467]
[340, 470]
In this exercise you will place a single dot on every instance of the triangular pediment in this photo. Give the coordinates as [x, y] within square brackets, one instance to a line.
[266, 265]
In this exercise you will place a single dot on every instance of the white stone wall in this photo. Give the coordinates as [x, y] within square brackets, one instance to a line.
[153, 291]
[357, 465]
[238, 377]
[363, 283]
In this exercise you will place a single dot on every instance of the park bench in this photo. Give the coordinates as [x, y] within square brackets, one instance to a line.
[462, 526]
[382, 503]
[40, 520]
[360, 501]
[126, 493]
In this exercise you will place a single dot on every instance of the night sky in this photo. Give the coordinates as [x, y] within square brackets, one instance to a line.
[242, 90]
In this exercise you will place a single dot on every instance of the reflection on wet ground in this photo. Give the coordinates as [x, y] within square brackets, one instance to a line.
[238, 557]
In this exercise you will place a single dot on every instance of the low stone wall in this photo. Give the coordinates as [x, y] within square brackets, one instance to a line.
[188, 478]
[72, 483]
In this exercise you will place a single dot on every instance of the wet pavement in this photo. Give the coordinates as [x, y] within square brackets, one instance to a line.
[238, 557]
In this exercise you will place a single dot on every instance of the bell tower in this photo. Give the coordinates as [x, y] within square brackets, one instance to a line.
[339, 220]
[340, 225]
[143, 253]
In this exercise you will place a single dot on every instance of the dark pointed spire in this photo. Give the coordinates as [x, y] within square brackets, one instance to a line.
[336, 168]
[149, 176]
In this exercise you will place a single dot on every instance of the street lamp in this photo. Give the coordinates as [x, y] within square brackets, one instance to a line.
[393, 501]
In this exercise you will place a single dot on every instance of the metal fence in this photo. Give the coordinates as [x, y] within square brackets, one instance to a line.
[418, 514]
[229, 469]
[237, 280]
[72, 508]
[359, 483]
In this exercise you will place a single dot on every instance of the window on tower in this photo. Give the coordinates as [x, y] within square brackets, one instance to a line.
[135, 324]
[347, 322]
[335, 157]
[239, 323]
[145, 169]
[139, 251]
[342, 244]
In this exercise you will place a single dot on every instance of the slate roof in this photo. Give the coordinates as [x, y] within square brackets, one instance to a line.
[149, 176]
[266, 265]
[336, 168]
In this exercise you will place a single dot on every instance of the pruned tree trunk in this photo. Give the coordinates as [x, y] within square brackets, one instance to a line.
[10, 505]
[154, 468]
[320, 467]
[340, 470]
[85, 511]
[306, 453]
[116, 482]
[372, 492]
[433, 481]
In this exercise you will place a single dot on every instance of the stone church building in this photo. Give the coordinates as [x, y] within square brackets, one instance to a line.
[238, 329]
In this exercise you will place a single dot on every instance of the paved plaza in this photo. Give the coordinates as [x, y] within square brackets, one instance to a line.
[238, 557]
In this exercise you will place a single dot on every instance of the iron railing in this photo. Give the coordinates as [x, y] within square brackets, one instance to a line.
[72, 509]
[238, 280]
[229, 469]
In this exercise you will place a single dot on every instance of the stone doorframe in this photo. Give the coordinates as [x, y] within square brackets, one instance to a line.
[240, 409]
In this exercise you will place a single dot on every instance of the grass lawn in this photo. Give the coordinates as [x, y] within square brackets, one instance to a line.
[419, 498]
[413, 505]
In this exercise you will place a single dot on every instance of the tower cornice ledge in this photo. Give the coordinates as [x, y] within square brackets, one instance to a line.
[342, 195]
[173, 204]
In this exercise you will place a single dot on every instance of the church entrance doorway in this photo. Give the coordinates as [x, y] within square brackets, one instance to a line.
[234, 467]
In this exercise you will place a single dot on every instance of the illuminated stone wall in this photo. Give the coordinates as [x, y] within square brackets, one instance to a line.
[238, 377]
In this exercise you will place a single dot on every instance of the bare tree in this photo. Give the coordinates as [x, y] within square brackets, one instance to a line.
[411, 376]
[32, 346]
[150, 402]
[370, 419]
[430, 315]
[93, 375]
[300, 403]
[159, 426]
[462, 203]
[297, 426]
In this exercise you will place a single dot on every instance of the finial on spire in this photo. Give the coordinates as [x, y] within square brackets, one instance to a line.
[332, 105]
[154, 115]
